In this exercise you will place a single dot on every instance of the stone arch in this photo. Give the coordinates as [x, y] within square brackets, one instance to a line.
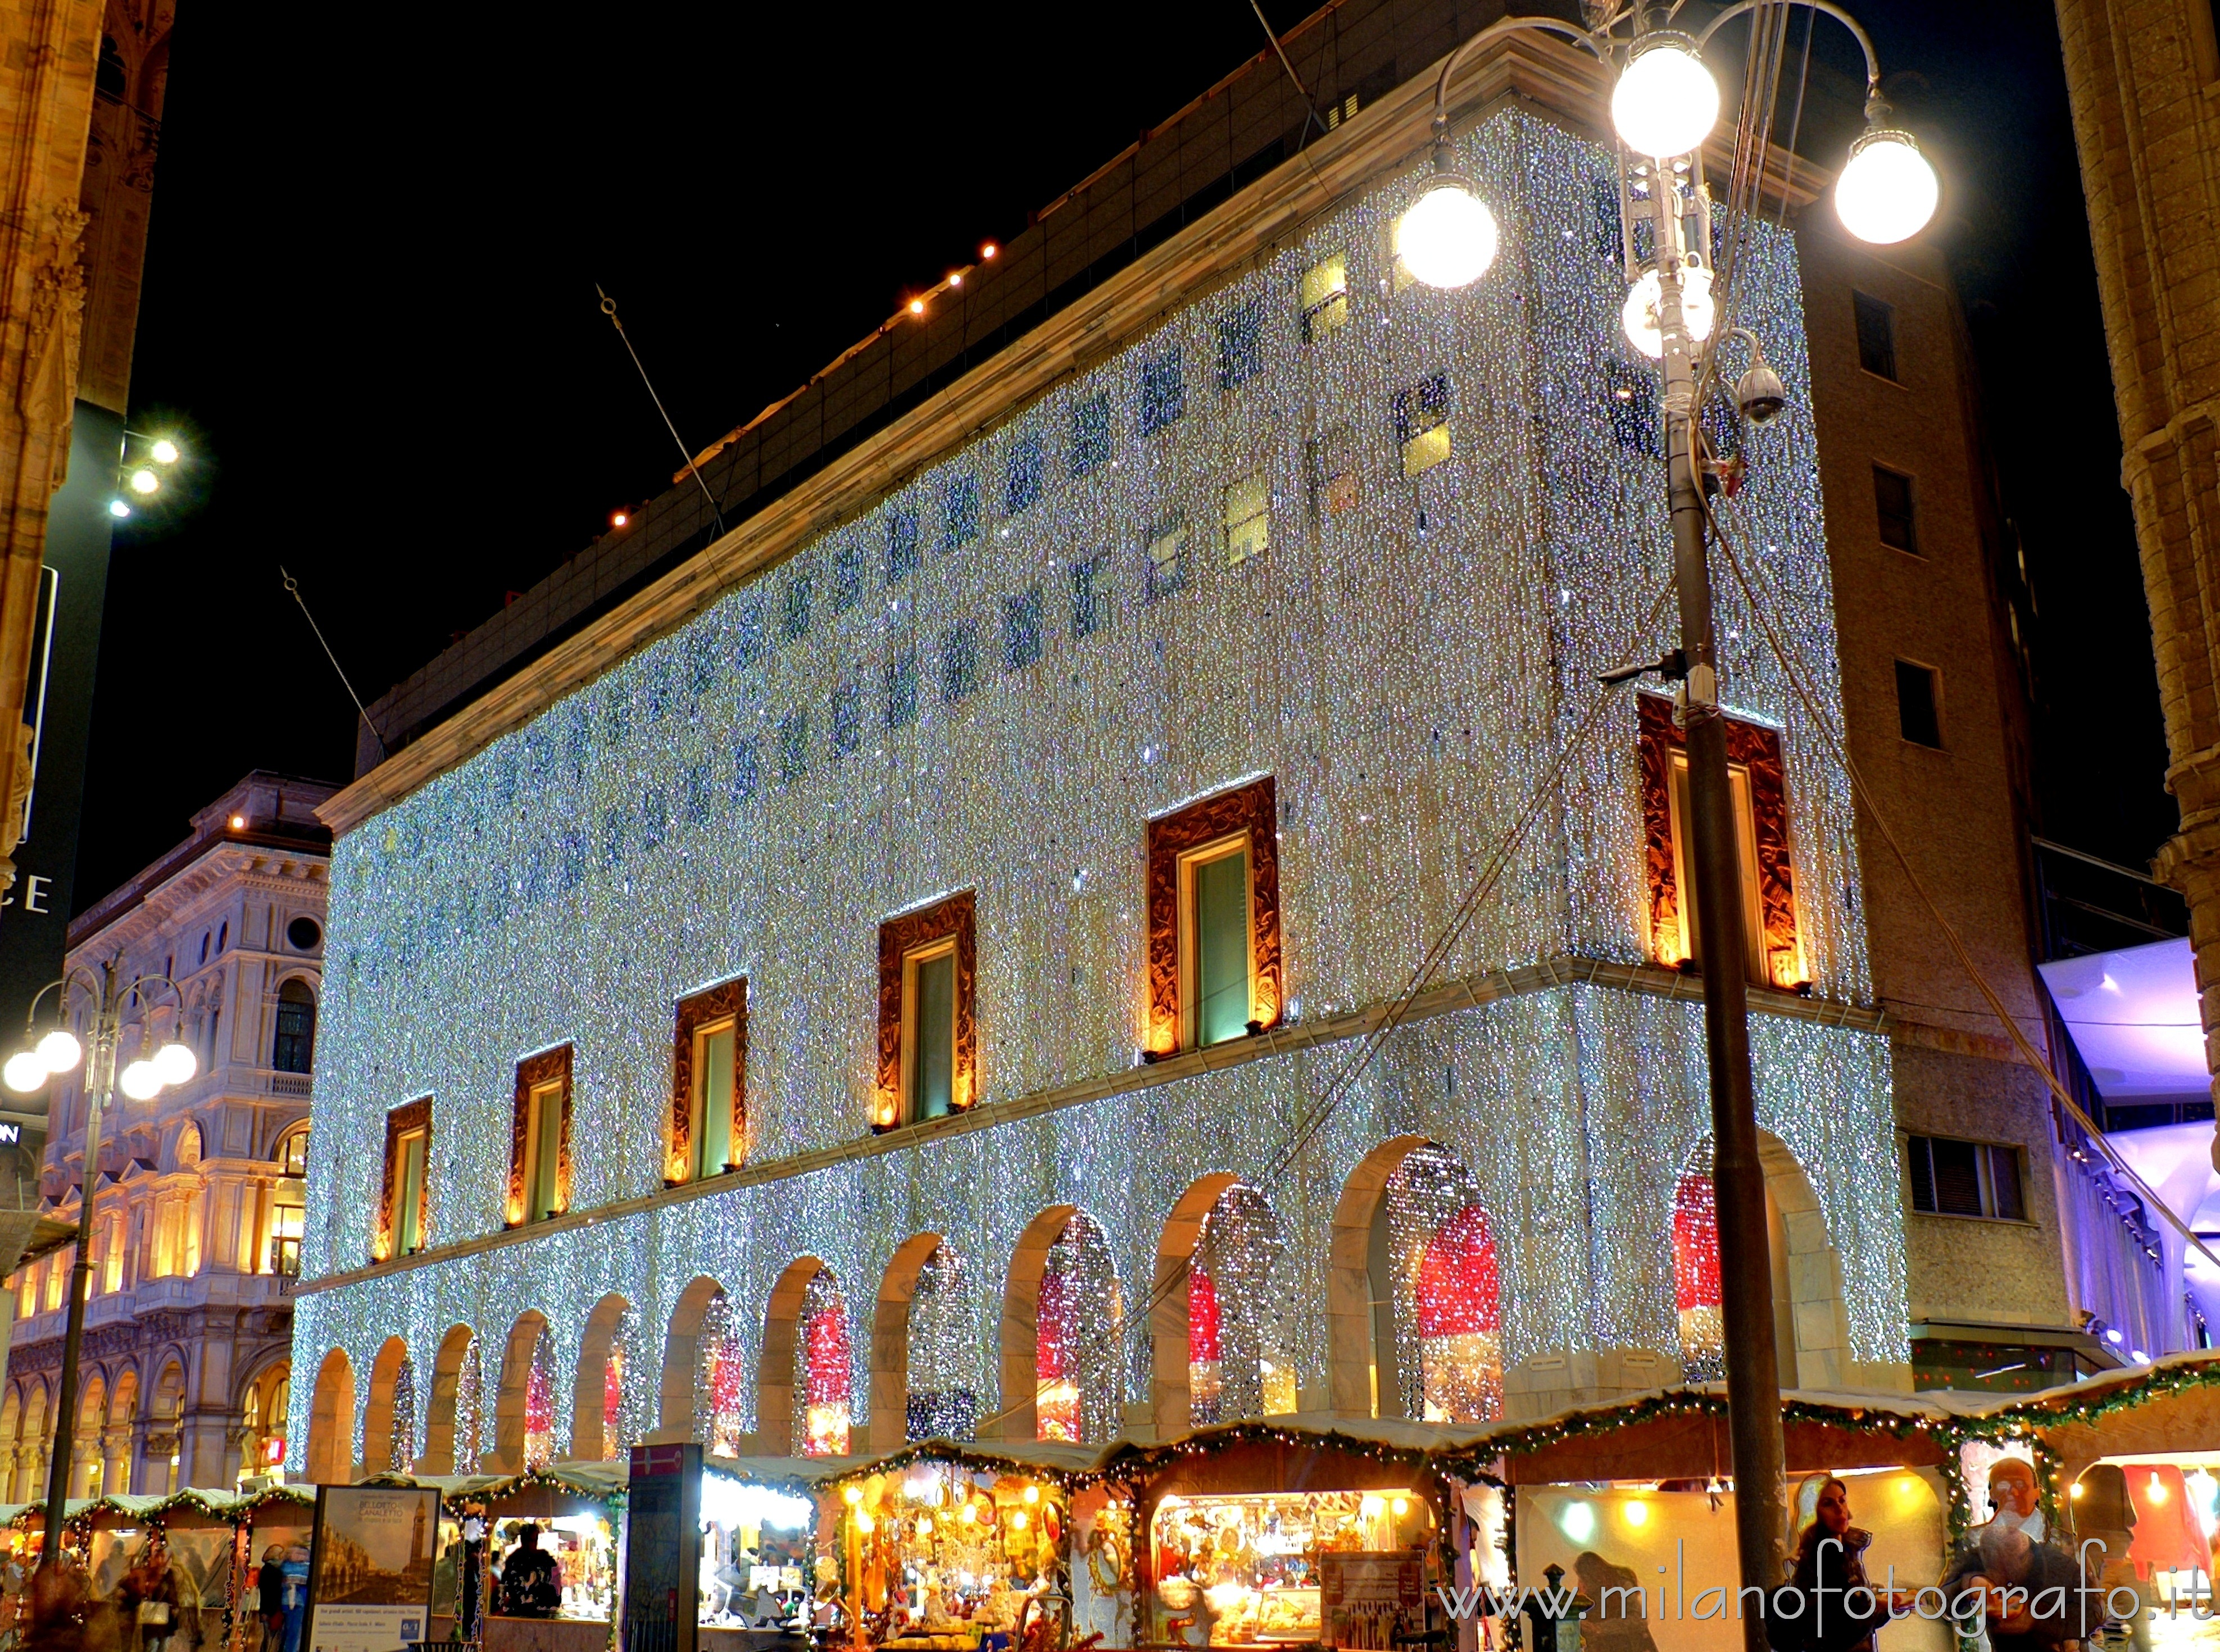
[165, 1424]
[589, 1394]
[1019, 1342]
[90, 1465]
[805, 1281]
[122, 1412]
[381, 1436]
[1811, 1321]
[890, 1341]
[11, 1442]
[1352, 1321]
[35, 1439]
[523, 1364]
[1168, 1325]
[451, 1407]
[330, 1457]
[186, 1153]
[682, 1354]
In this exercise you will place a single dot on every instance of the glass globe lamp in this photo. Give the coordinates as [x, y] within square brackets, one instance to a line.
[1666, 101]
[1644, 330]
[1448, 237]
[176, 1062]
[139, 1081]
[23, 1072]
[1887, 191]
[59, 1051]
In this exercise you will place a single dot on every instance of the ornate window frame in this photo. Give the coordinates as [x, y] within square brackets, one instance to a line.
[1251, 809]
[953, 918]
[401, 1122]
[727, 1001]
[1756, 749]
[534, 1072]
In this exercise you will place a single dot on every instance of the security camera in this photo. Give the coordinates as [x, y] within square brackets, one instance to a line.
[1760, 393]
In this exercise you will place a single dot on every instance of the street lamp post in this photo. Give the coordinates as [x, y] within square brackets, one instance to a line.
[26, 1071]
[1664, 105]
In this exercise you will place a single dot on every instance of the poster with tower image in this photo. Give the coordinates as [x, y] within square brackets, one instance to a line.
[370, 1572]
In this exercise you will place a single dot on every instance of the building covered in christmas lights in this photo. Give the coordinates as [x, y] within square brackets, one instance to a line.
[914, 964]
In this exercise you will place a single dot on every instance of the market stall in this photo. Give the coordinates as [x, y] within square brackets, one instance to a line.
[1295, 1532]
[758, 1570]
[948, 1548]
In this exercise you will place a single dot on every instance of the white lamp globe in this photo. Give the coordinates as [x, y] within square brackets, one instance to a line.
[176, 1062]
[1666, 101]
[1887, 191]
[1448, 237]
[1639, 316]
[59, 1051]
[140, 1081]
[23, 1072]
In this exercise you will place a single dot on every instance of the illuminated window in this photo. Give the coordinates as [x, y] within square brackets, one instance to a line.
[404, 1210]
[1326, 297]
[1422, 424]
[1957, 1178]
[1167, 570]
[539, 1139]
[1333, 470]
[1214, 937]
[926, 1041]
[26, 1287]
[1773, 954]
[1247, 519]
[708, 1125]
[1441, 1277]
[287, 1221]
[292, 1153]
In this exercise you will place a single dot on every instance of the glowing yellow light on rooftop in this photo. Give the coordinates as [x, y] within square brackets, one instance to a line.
[988, 249]
[917, 307]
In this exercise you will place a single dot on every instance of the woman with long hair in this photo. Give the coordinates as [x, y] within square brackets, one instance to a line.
[1837, 1610]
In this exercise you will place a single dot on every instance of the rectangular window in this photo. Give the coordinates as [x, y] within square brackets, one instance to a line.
[1892, 509]
[959, 662]
[929, 1030]
[792, 747]
[287, 1223]
[794, 618]
[1422, 424]
[1918, 704]
[1247, 519]
[1087, 595]
[1023, 482]
[959, 513]
[1326, 297]
[902, 544]
[847, 578]
[1240, 345]
[1876, 334]
[402, 1211]
[26, 1292]
[1213, 924]
[1163, 392]
[1216, 940]
[708, 1129]
[58, 1272]
[1958, 1178]
[901, 688]
[1167, 559]
[847, 717]
[1333, 470]
[1021, 630]
[1772, 953]
[539, 1139]
[927, 1044]
[1090, 435]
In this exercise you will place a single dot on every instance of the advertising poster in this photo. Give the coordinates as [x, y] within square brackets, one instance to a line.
[370, 1577]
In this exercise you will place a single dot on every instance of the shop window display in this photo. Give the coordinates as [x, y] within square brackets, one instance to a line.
[1075, 1352]
[821, 1375]
[1696, 1270]
[1449, 1302]
[718, 1379]
[1238, 1360]
[1253, 1570]
[943, 1351]
[961, 1559]
[583, 1547]
[755, 1555]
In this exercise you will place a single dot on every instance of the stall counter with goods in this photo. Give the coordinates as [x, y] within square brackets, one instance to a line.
[938, 1557]
[1256, 1568]
[756, 1565]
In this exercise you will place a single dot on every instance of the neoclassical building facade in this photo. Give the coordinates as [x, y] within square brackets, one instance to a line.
[1117, 902]
[199, 1204]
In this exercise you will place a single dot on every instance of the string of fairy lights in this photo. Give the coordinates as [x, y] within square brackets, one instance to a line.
[990, 681]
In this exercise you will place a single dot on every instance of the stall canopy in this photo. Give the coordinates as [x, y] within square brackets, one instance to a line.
[2132, 1016]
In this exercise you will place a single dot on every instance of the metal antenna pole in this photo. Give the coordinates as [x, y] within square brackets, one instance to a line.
[1737, 1177]
[99, 1081]
[609, 310]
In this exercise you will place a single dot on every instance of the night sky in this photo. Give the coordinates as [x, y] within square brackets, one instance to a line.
[370, 314]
